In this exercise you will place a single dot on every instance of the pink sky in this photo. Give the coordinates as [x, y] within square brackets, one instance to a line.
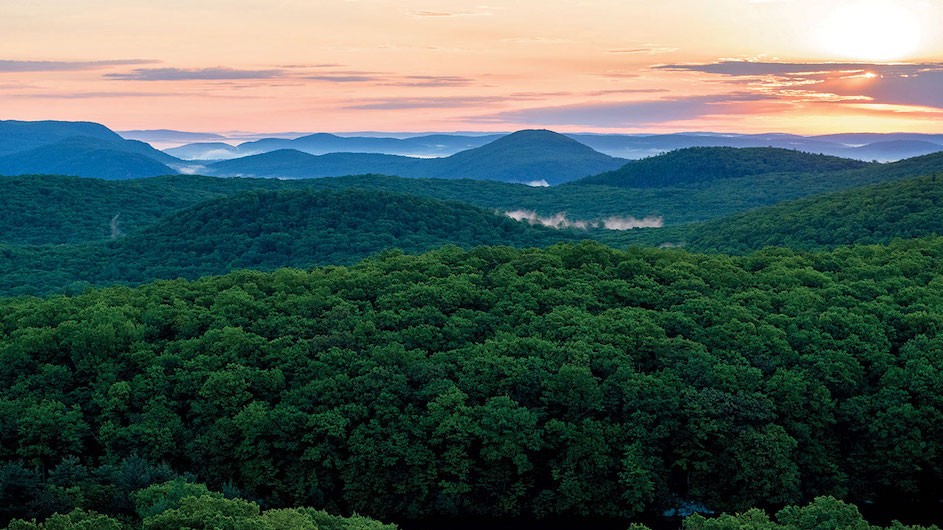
[804, 66]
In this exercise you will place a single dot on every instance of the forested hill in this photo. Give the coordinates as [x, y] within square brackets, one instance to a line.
[77, 148]
[50, 209]
[43, 209]
[289, 163]
[525, 156]
[902, 209]
[495, 383]
[705, 164]
[17, 136]
[266, 230]
[89, 157]
[306, 227]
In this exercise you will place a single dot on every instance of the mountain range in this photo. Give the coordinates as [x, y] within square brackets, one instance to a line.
[92, 150]
[536, 157]
[868, 146]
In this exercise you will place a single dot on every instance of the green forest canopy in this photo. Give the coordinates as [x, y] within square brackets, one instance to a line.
[694, 165]
[879, 213]
[265, 230]
[573, 381]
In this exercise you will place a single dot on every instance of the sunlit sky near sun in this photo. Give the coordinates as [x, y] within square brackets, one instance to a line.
[804, 66]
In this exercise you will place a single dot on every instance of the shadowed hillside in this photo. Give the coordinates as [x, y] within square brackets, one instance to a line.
[904, 209]
[88, 157]
[266, 230]
[697, 165]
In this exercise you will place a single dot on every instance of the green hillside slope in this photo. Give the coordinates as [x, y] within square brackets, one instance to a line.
[879, 213]
[266, 230]
[696, 165]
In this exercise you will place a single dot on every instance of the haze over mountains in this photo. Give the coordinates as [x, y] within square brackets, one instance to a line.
[862, 146]
[532, 157]
[536, 157]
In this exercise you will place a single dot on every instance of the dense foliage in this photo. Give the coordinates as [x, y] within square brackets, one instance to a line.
[577, 380]
[180, 504]
[874, 214]
[266, 230]
[825, 513]
[704, 164]
[880, 213]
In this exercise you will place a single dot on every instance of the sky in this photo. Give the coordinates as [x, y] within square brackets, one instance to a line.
[625, 66]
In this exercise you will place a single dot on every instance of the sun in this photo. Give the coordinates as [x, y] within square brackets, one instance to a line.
[870, 31]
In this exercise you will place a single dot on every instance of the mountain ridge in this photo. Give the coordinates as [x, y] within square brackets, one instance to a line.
[695, 165]
[521, 157]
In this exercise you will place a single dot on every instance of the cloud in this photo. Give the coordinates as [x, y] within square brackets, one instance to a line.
[194, 74]
[593, 93]
[426, 103]
[638, 113]
[537, 40]
[443, 102]
[757, 68]
[92, 95]
[618, 75]
[389, 79]
[8, 66]
[429, 13]
[909, 84]
[332, 78]
[643, 50]
[631, 223]
[433, 81]
[319, 65]
[561, 220]
[17, 86]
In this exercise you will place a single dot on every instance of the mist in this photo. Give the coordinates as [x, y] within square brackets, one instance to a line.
[560, 220]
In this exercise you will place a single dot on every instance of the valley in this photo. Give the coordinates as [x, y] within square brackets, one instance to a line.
[454, 346]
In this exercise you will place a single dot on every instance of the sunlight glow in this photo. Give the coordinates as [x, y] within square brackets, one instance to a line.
[871, 31]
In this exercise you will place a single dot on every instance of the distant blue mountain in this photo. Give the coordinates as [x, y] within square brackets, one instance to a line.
[862, 146]
[86, 157]
[289, 163]
[893, 150]
[17, 136]
[169, 136]
[83, 149]
[205, 151]
[524, 157]
[437, 145]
